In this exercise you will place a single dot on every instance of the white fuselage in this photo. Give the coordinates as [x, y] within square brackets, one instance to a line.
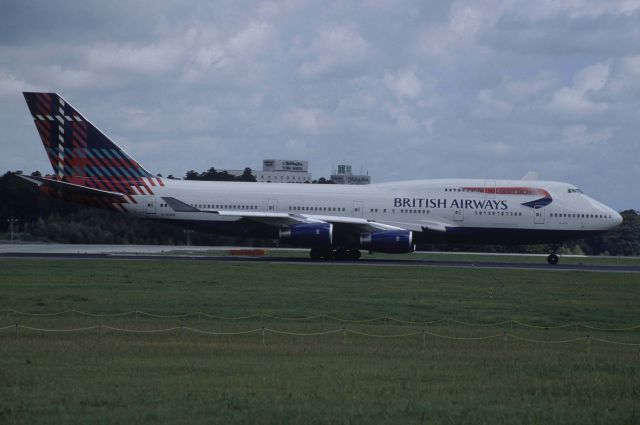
[415, 205]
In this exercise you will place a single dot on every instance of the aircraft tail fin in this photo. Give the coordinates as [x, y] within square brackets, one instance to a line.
[75, 147]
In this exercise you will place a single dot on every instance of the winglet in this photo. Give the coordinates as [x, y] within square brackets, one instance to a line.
[531, 176]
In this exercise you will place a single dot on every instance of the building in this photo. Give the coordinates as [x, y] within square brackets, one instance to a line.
[284, 171]
[345, 176]
[280, 171]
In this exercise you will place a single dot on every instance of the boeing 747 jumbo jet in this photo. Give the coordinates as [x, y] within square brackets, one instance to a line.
[334, 221]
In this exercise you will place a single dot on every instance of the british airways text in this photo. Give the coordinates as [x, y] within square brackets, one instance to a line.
[469, 204]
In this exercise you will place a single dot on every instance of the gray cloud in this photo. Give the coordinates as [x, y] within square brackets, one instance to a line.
[402, 89]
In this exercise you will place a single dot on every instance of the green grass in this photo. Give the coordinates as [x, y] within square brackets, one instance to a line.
[168, 378]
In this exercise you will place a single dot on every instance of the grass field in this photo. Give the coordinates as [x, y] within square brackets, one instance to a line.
[197, 378]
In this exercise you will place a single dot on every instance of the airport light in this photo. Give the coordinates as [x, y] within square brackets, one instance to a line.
[12, 221]
[188, 232]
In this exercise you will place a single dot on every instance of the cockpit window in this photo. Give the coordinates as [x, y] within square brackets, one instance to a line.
[574, 190]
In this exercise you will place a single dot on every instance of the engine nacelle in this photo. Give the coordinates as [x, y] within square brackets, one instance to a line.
[310, 235]
[390, 241]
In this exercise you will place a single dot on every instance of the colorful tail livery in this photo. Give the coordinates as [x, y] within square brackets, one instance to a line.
[82, 155]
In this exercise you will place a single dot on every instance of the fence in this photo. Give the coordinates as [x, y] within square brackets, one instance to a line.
[181, 330]
[263, 316]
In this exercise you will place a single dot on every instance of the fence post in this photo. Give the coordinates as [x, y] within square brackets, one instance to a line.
[181, 330]
[73, 316]
[344, 335]
[588, 344]
[424, 340]
[17, 330]
[505, 340]
[263, 343]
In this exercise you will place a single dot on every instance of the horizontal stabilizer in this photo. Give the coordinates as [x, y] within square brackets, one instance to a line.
[70, 187]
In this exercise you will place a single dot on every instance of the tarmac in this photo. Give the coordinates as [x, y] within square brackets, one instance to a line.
[192, 253]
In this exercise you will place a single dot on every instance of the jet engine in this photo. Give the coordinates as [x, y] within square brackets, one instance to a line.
[391, 241]
[309, 235]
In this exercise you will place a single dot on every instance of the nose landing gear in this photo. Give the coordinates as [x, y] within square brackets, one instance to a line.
[553, 257]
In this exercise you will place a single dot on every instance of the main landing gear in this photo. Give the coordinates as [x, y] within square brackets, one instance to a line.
[334, 254]
[553, 257]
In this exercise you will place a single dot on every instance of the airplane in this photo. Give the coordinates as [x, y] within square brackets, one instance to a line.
[333, 221]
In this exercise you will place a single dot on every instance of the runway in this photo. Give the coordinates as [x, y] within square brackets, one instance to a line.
[149, 253]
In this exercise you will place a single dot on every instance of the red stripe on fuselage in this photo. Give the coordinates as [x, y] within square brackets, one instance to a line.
[527, 191]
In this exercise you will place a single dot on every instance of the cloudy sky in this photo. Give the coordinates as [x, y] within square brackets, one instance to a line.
[405, 90]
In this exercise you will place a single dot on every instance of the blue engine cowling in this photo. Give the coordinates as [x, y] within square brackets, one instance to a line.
[391, 241]
[308, 235]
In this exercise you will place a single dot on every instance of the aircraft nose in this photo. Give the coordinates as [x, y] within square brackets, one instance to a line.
[617, 218]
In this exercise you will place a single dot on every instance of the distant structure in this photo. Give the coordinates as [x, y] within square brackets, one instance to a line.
[284, 171]
[345, 176]
[280, 171]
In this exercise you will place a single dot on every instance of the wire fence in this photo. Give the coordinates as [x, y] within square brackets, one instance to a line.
[181, 330]
[262, 317]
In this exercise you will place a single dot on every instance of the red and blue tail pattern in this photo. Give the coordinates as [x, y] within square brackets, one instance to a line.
[81, 154]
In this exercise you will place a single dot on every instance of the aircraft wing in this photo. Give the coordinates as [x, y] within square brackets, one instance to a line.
[281, 219]
[356, 225]
[422, 225]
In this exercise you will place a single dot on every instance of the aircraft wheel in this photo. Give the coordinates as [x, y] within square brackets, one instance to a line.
[341, 254]
[328, 254]
[315, 254]
[355, 254]
[553, 259]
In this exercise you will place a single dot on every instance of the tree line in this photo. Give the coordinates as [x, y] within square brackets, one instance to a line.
[45, 219]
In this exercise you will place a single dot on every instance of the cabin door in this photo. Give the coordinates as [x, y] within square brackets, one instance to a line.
[538, 215]
[150, 205]
[458, 215]
[357, 208]
[272, 205]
